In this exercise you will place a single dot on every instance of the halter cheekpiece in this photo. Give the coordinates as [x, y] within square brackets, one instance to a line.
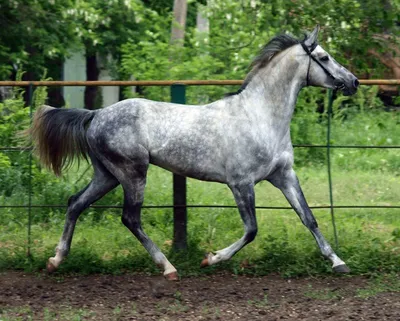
[309, 53]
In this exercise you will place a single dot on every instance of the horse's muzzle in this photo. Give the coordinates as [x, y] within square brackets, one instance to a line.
[348, 87]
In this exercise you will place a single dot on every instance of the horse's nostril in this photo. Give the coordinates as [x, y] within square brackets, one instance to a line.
[356, 83]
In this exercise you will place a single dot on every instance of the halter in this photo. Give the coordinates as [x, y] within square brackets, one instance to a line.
[309, 51]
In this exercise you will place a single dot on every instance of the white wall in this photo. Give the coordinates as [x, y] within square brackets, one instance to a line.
[75, 69]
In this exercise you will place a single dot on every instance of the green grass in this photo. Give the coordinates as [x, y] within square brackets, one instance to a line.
[380, 284]
[368, 238]
[322, 294]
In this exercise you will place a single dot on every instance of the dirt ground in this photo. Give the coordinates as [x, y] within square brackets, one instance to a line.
[217, 297]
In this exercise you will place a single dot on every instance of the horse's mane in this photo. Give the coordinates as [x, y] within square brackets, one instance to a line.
[272, 48]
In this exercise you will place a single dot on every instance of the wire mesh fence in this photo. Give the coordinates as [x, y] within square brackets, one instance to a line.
[179, 189]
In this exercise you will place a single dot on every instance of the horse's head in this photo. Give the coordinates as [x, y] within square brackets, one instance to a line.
[323, 70]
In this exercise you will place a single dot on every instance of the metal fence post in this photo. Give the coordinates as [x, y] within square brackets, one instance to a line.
[178, 95]
[28, 252]
[328, 154]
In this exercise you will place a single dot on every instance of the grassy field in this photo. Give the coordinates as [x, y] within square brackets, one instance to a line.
[369, 239]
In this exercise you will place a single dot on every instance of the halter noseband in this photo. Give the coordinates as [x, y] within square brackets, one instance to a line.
[309, 51]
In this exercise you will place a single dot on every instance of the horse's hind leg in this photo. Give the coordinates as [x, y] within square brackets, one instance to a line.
[288, 183]
[102, 182]
[131, 173]
[244, 197]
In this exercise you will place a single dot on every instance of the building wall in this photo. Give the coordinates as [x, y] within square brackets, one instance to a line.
[75, 69]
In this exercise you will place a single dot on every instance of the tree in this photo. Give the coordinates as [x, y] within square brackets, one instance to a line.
[238, 29]
[179, 22]
[38, 34]
[104, 26]
[34, 35]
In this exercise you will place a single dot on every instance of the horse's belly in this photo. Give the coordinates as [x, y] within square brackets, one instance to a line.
[199, 167]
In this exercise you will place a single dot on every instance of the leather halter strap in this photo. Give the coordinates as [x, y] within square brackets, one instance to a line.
[309, 51]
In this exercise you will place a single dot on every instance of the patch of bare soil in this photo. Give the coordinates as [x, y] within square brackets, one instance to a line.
[218, 297]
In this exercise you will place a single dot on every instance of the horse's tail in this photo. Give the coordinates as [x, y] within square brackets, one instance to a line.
[59, 136]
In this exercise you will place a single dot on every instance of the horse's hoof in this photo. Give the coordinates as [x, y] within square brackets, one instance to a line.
[341, 268]
[204, 263]
[207, 260]
[173, 276]
[51, 268]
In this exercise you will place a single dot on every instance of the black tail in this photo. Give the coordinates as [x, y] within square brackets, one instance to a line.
[59, 136]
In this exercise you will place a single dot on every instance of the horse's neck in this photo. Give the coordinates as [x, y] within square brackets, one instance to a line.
[273, 91]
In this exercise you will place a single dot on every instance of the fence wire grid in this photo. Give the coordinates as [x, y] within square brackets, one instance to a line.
[178, 96]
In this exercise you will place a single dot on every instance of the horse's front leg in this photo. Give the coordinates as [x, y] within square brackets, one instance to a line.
[244, 197]
[286, 180]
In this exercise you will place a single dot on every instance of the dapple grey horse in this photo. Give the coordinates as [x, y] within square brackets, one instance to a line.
[238, 140]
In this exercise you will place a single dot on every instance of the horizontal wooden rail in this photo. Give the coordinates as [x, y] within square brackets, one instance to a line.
[393, 82]
[163, 82]
[123, 83]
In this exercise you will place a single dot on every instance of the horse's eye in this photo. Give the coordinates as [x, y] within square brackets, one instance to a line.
[324, 58]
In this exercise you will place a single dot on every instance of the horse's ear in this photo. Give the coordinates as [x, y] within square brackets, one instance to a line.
[312, 38]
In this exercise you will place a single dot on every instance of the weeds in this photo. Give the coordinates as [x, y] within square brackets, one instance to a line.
[47, 314]
[259, 303]
[379, 284]
[117, 312]
[16, 314]
[322, 294]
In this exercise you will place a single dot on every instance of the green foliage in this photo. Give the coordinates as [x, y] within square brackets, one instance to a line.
[14, 117]
[15, 182]
[104, 26]
[239, 29]
[34, 32]
[41, 33]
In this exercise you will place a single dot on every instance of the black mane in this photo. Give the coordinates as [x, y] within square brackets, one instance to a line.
[273, 47]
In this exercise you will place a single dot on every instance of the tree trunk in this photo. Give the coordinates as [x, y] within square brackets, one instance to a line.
[55, 96]
[28, 76]
[92, 73]
[179, 22]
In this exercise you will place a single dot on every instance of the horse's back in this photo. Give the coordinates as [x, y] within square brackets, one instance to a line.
[184, 139]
